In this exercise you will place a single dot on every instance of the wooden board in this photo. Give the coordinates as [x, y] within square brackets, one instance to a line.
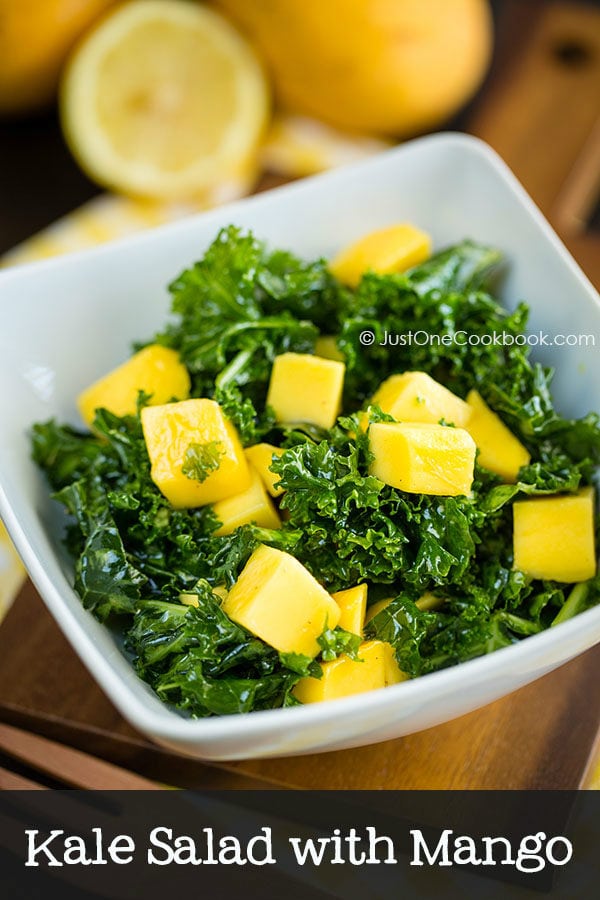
[540, 109]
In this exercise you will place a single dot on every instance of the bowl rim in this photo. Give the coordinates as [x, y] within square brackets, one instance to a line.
[165, 722]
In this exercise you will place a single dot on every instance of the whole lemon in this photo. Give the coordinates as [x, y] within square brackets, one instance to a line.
[35, 38]
[383, 66]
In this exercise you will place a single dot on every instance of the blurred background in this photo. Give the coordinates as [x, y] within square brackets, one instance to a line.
[177, 112]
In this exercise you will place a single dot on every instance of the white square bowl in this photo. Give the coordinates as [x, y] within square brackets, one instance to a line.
[67, 321]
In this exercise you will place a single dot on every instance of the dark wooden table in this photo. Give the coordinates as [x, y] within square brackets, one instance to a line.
[540, 108]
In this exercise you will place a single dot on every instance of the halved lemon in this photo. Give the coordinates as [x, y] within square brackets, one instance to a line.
[164, 99]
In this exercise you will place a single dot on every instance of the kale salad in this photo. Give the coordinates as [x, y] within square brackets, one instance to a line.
[434, 576]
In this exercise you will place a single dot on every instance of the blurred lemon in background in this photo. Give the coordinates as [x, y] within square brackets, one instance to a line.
[299, 146]
[35, 38]
[393, 67]
[164, 99]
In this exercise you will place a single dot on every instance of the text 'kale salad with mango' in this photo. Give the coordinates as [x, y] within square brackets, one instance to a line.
[274, 513]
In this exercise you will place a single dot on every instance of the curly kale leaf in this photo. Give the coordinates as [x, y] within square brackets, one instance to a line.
[241, 412]
[355, 528]
[336, 641]
[198, 659]
[241, 306]
[202, 459]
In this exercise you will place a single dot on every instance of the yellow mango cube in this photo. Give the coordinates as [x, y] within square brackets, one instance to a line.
[376, 608]
[250, 506]
[429, 602]
[261, 456]
[499, 449]
[423, 459]
[387, 250]
[278, 600]
[426, 603]
[375, 668]
[326, 346]
[170, 430]
[554, 537]
[155, 370]
[189, 599]
[306, 388]
[352, 603]
[393, 674]
[416, 397]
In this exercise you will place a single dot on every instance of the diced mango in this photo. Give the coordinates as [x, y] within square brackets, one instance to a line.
[342, 677]
[250, 506]
[326, 346]
[352, 603]
[189, 599]
[416, 397]
[278, 600]
[155, 370]
[554, 537]
[499, 449]
[169, 432]
[306, 388]
[375, 668]
[423, 459]
[429, 602]
[376, 608]
[387, 250]
[261, 457]
[426, 603]
[393, 674]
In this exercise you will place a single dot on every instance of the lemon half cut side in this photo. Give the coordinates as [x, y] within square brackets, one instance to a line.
[164, 99]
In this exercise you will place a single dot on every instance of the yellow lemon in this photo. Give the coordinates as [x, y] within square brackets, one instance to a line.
[164, 99]
[35, 38]
[296, 146]
[382, 66]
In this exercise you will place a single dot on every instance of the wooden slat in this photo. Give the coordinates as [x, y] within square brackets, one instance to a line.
[68, 766]
[542, 113]
[10, 781]
[580, 192]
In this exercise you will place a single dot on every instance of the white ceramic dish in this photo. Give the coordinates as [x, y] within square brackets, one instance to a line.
[67, 321]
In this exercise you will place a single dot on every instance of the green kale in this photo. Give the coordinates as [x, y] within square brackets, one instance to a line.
[355, 528]
[241, 412]
[202, 459]
[301, 664]
[196, 658]
[335, 641]
[234, 311]
[241, 306]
